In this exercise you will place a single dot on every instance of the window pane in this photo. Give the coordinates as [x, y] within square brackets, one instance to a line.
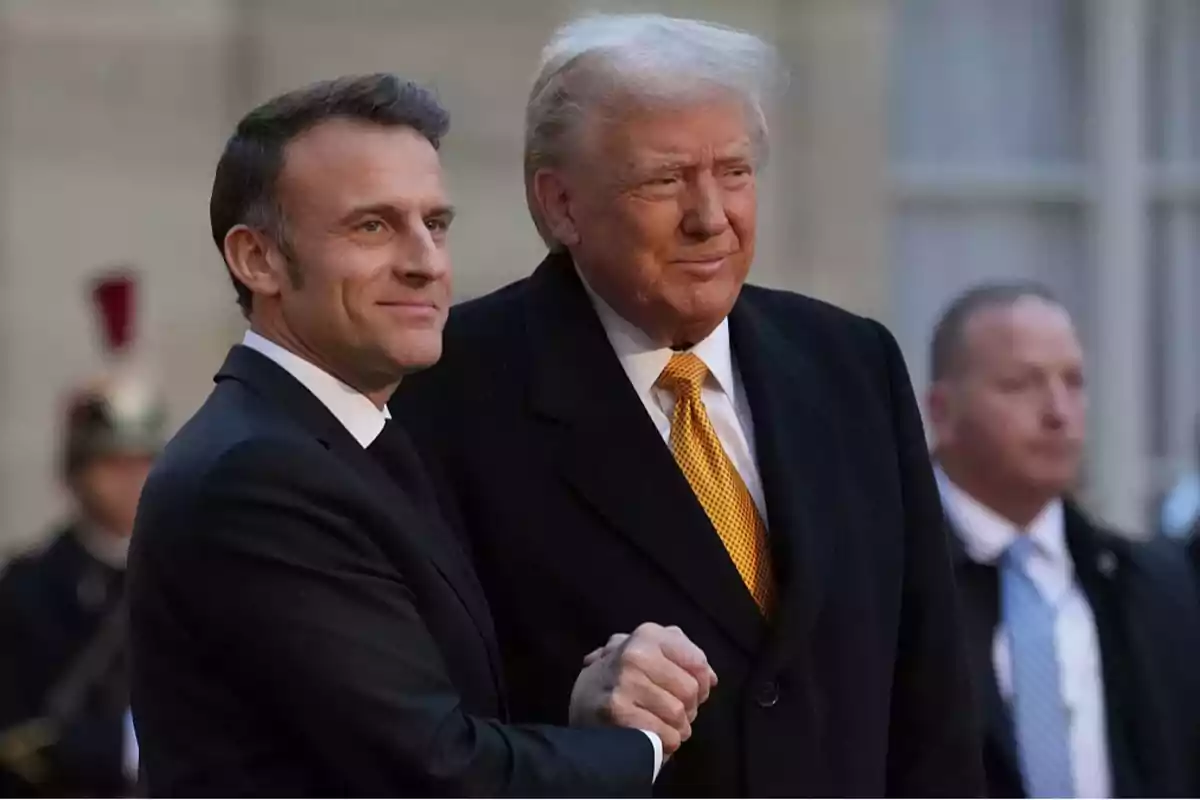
[988, 81]
[1175, 358]
[1173, 81]
[942, 251]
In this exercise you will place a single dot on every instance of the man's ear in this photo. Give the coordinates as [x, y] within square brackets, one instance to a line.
[939, 406]
[554, 198]
[254, 260]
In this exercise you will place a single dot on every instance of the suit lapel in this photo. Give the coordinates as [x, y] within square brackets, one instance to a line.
[799, 461]
[1100, 566]
[268, 379]
[612, 456]
[438, 543]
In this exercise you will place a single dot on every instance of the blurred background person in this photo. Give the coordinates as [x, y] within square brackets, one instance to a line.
[1084, 644]
[63, 681]
[1180, 510]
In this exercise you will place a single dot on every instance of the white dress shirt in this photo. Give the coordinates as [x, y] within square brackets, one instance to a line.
[360, 416]
[110, 549]
[352, 408]
[986, 536]
[723, 395]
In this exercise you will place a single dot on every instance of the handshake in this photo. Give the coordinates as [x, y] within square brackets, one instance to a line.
[654, 679]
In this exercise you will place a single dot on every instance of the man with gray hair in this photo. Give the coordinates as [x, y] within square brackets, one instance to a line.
[631, 433]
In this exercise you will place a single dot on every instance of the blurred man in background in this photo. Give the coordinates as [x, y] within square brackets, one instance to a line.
[64, 694]
[748, 464]
[1179, 510]
[1084, 644]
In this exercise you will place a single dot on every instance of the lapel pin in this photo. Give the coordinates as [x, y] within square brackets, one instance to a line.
[1106, 562]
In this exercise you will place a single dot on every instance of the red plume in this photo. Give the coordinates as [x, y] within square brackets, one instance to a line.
[115, 297]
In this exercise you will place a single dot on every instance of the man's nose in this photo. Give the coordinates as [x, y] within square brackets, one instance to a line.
[420, 258]
[706, 217]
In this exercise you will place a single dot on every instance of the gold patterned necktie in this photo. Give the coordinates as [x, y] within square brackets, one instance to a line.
[718, 486]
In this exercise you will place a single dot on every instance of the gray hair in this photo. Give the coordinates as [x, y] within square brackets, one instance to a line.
[596, 59]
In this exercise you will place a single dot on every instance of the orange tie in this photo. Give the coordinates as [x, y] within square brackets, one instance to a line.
[717, 484]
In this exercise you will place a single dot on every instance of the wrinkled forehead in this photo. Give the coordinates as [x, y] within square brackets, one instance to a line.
[633, 131]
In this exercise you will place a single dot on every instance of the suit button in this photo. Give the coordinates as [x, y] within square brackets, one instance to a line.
[768, 694]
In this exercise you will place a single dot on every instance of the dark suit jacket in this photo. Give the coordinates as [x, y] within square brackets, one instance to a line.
[582, 524]
[1147, 610]
[1192, 543]
[302, 623]
[52, 605]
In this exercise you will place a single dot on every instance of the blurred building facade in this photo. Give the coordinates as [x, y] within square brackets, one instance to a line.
[924, 144]
[1060, 140]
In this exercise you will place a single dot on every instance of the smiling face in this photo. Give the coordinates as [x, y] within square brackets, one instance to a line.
[659, 210]
[363, 290]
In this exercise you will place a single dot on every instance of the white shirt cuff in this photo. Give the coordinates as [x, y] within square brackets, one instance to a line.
[658, 751]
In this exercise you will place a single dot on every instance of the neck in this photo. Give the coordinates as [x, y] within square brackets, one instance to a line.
[378, 391]
[682, 338]
[1019, 506]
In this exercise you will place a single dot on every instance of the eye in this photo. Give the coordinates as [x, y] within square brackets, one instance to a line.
[1015, 384]
[371, 226]
[663, 181]
[437, 224]
[737, 174]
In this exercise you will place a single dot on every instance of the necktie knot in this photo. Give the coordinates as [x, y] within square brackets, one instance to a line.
[1020, 552]
[684, 374]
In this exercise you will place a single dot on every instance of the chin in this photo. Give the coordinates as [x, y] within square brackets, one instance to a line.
[418, 357]
[706, 313]
[1055, 482]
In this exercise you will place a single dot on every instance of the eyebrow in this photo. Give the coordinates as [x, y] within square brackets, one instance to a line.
[444, 211]
[673, 162]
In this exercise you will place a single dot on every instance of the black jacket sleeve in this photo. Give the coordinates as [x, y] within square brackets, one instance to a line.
[315, 624]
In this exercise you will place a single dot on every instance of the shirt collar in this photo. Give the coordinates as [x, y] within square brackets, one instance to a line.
[643, 360]
[986, 535]
[109, 549]
[361, 417]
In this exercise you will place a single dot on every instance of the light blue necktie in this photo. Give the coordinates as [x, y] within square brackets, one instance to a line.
[1040, 715]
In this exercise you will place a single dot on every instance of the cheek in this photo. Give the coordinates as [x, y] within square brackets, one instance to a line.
[1079, 417]
[649, 226]
[999, 426]
[318, 291]
[741, 210]
[351, 293]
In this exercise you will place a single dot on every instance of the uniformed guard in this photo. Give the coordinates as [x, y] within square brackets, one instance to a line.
[64, 726]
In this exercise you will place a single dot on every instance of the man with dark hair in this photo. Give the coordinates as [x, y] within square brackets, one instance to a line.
[1083, 643]
[303, 622]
